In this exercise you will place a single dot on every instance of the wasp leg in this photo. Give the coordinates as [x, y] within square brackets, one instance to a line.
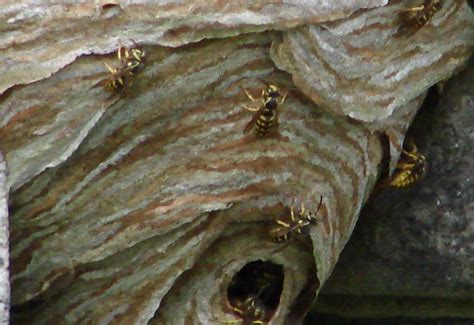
[119, 52]
[283, 98]
[251, 109]
[235, 321]
[302, 208]
[116, 84]
[132, 65]
[419, 8]
[137, 54]
[125, 52]
[411, 154]
[405, 166]
[281, 239]
[281, 223]
[292, 213]
[112, 70]
[249, 95]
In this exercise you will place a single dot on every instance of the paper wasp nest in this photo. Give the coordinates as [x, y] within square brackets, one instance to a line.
[143, 205]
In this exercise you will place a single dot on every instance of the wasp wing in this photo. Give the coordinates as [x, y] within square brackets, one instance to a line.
[254, 119]
[275, 122]
[280, 234]
[284, 232]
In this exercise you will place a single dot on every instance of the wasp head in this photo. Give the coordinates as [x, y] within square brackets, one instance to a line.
[272, 91]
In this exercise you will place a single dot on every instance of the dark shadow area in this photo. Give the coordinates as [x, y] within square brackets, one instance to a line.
[324, 319]
[256, 289]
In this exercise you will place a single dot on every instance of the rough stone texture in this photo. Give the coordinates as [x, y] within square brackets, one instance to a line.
[419, 242]
[330, 62]
[163, 173]
[363, 67]
[297, 259]
[170, 23]
[4, 261]
[127, 207]
[395, 127]
[398, 320]
[38, 40]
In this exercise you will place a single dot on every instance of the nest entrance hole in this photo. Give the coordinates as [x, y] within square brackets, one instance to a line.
[260, 281]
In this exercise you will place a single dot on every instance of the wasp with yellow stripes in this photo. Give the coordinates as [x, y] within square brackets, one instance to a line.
[416, 17]
[266, 114]
[411, 167]
[250, 311]
[298, 222]
[130, 60]
[117, 78]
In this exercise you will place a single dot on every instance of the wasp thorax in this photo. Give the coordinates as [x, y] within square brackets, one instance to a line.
[272, 92]
[265, 117]
[297, 222]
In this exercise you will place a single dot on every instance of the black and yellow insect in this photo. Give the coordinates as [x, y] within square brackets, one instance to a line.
[411, 167]
[416, 17]
[130, 60]
[266, 115]
[117, 78]
[250, 311]
[297, 223]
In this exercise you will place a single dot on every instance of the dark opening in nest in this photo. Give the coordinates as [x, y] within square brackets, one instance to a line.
[255, 290]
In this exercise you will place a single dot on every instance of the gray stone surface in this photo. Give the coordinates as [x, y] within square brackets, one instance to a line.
[419, 242]
[169, 23]
[358, 68]
[4, 256]
[128, 206]
[166, 198]
[37, 40]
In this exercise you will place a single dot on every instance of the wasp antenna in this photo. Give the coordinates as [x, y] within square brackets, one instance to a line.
[411, 9]
[120, 44]
[241, 80]
[411, 142]
[134, 43]
[412, 149]
[320, 203]
[112, 70]
[263, 81]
